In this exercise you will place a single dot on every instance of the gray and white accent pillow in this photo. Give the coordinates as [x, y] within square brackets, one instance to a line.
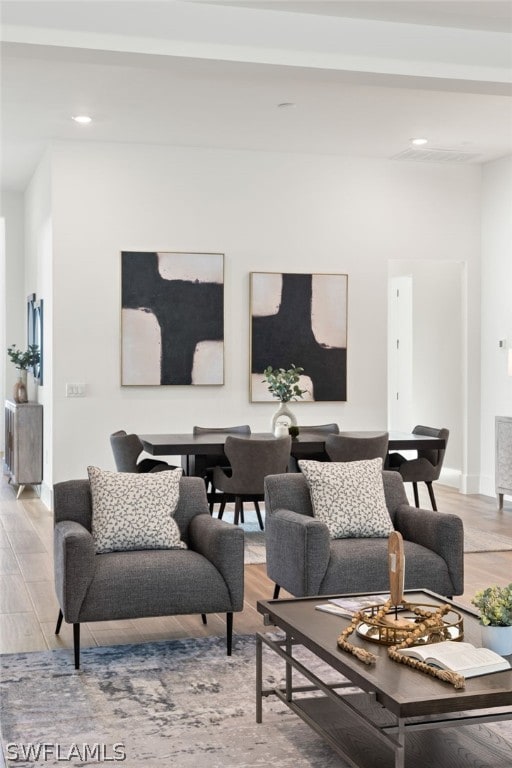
[132, 511]
[348, 496]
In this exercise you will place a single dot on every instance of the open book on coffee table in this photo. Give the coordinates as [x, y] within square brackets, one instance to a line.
[463, 658]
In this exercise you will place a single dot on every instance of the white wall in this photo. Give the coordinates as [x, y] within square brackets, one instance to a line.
[437, 339]
[496, 308]
[13, 324]
[39, 280]
[266, 212]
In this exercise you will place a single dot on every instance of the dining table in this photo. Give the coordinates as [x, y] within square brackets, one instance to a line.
[194, 449]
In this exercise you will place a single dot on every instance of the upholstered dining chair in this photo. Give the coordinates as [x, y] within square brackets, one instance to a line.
[426, 468]
[353, 447]
[328, 429]
[214, 460]
[127, 449]
[251, 460]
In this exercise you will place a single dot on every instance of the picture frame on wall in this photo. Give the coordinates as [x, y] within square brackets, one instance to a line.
[35, 332]
[299, 319]
[172, 318]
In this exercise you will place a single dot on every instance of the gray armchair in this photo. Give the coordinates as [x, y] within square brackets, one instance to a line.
[303, 559]
[208, 577]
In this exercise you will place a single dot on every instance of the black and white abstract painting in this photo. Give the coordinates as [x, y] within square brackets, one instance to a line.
[172, 318]
[301, 320]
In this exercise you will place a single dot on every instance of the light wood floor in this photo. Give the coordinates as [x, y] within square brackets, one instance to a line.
[28, 607]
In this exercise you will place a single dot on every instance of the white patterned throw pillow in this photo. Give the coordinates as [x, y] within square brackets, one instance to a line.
[132, 511]
[348, 496]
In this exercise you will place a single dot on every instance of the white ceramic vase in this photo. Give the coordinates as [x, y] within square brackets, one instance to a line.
[283, 417]
[498, 639]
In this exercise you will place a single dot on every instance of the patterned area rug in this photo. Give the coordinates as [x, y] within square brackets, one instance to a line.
[179, 704]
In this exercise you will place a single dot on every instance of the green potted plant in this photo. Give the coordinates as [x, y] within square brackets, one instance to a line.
[494, 604]
[23, 361]
[284, 385]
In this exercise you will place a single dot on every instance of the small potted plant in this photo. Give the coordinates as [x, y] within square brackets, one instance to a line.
[23, 361]
[495, 607]
[283, 384]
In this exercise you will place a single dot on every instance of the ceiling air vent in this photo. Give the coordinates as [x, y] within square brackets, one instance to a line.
[435, 155]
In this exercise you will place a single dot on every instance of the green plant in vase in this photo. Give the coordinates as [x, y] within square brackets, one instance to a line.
[23, 361]
[284, 385]
[494, 604]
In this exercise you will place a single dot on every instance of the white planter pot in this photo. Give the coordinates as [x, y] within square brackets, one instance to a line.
[497, 639]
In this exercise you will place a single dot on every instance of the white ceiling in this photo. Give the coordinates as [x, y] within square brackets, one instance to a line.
[210, 73]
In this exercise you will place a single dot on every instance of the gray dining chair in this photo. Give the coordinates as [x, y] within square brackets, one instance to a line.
[217, 459]
[426, 468]
[127, 449]
[328, 429]
[251, 460]
[351, 447]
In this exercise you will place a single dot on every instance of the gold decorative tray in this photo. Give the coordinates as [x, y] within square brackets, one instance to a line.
[394, 626]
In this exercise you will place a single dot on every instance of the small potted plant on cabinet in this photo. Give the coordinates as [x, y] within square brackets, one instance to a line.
[23, 361]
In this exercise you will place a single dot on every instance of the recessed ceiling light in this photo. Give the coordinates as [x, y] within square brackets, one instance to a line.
[419, 142]
[82, 119]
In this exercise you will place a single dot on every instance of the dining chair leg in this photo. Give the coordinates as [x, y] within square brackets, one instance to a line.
[431, 494]
[277, 589]
[238, 505]
[258, 515]
[59, 622]
[203, 617]
[416, 496]
[242, 511]
[221, 509]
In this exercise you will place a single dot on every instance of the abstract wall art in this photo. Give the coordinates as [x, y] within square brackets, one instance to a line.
[172, 318]
[300, 319]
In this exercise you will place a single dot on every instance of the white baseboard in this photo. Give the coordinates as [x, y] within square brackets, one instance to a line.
[46, 495]
[451, 477]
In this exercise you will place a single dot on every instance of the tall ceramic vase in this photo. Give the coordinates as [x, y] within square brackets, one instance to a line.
[20, 388]
[283, 417]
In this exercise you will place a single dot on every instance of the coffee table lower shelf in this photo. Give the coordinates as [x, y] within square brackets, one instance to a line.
[366, 735]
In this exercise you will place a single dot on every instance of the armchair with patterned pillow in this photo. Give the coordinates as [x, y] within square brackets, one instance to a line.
[326, 532]
[137, 545]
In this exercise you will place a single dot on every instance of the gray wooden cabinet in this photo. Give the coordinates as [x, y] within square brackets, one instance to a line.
[503, 457]
[24, 443]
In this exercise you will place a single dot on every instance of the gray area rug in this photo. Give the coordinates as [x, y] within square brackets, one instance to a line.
[476, 540]
[181, 704]
[178, 704]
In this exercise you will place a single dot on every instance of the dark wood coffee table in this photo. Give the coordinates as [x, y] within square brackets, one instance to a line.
[390, 721]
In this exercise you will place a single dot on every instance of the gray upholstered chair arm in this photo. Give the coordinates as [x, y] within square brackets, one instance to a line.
[223, 545]
[74, 559]
[298, 551]
[394, 491]
[442, 533]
